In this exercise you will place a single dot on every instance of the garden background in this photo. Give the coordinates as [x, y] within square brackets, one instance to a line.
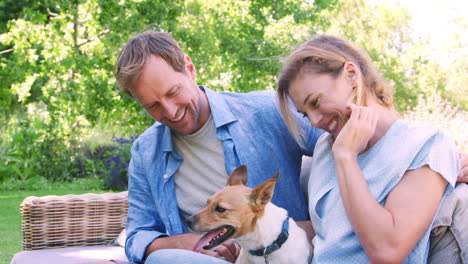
[66, 128]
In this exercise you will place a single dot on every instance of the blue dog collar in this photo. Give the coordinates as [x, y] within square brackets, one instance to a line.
[282, 237]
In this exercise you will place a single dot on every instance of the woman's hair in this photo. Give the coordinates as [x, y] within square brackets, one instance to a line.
[325, 54]
[133, 56]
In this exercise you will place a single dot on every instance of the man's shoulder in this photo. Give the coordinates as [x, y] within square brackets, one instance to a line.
[149, 137]
[254, 100]
[250, 96]
[151, 131]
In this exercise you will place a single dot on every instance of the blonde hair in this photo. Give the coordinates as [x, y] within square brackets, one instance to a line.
[133, 56]
[325, 54]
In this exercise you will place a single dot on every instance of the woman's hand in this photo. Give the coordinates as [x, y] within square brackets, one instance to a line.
[356, 133]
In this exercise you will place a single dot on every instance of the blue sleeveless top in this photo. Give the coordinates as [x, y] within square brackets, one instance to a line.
[404, 147]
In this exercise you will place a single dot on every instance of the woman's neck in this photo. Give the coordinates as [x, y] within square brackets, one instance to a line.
[386, 117]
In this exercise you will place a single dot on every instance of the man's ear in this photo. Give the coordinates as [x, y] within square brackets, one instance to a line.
[262, 194]
[238, 176]
[189, 67]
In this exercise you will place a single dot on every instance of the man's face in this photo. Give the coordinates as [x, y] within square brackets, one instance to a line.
[170, 97]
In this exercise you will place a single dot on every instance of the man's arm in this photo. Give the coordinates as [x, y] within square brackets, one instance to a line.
[183, 241]
[463, 176]
[143, 222]
[309, 229]
[228, 250]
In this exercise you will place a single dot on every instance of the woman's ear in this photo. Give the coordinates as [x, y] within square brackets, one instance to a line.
[353, 76]
[351, 72]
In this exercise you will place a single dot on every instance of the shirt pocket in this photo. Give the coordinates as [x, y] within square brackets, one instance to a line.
[320, 200]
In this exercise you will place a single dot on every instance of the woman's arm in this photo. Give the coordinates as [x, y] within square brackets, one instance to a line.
[388, 234]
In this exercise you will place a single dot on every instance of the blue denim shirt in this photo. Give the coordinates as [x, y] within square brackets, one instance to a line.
[252, 132]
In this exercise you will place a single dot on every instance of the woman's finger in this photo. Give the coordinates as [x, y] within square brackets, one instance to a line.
[354, 112]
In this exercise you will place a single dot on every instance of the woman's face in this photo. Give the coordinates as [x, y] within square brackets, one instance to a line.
[323, 99]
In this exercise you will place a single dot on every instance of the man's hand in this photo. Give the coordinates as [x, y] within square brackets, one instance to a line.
[229, 250]
[308, 228]
[463, 176]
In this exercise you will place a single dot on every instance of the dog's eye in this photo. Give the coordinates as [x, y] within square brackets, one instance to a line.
[220, 209]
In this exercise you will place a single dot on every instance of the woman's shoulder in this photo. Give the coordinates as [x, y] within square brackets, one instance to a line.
[406, 140]
[434, 147]
[403, 133]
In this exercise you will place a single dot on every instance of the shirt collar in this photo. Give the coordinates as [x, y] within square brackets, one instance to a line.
[220, 110]
[166, 143]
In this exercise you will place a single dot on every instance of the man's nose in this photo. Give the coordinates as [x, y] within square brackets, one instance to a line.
[170, 109]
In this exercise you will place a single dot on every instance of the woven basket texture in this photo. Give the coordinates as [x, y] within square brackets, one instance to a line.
[72, 220]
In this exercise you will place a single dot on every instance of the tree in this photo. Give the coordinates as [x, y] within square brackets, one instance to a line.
[58, 84]
[405, 61]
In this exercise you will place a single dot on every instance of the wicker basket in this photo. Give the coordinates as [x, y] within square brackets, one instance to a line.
[72, 220]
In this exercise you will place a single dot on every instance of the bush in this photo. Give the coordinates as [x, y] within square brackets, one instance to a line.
[115, 174]
[107, 158]
[32, 149]
[433, 110]
[29, 148]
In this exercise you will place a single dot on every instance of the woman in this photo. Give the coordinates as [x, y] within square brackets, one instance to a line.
[376, 180]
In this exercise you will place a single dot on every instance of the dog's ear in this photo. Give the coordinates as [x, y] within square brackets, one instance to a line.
[262, 194]
[238, 176]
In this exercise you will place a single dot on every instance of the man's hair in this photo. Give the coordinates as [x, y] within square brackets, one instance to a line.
[134, 54]
[325, 54]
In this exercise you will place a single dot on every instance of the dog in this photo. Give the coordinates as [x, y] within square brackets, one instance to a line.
[263, 230]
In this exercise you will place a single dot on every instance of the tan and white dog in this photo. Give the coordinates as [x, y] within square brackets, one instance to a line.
[263, 230]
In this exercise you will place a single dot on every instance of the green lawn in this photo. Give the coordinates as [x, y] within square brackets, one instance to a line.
[10, 200]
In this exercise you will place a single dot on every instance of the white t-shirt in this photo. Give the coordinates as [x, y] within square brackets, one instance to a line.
[202, 171]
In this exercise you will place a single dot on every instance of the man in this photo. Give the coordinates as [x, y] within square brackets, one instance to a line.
[201, 136]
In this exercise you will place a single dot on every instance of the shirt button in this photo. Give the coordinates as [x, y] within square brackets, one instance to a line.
[165, 176]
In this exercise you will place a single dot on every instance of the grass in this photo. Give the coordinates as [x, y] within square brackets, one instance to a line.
[12, 194]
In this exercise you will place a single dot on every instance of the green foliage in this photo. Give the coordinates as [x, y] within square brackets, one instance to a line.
[405, 61]
[384, 33]
[59, 97]
[12, 9]
[57, 80]
[236, 44]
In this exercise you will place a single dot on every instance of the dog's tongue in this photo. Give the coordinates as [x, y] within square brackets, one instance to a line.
[205, 240]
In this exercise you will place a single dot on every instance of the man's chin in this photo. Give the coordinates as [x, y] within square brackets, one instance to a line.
[184, 127]
[180, 131]
[183, 130]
